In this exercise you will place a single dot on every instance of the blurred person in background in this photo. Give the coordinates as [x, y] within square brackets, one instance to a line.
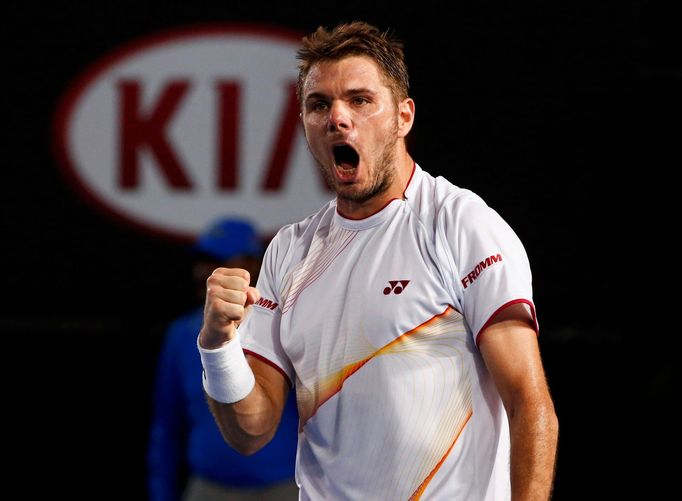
[187, 457]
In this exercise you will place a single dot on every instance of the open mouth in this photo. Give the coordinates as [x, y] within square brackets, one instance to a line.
[345, 158]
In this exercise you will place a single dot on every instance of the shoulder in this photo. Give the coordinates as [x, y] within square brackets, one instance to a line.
[437, 200]
[457, 219]
[291, 235]
[292, 241]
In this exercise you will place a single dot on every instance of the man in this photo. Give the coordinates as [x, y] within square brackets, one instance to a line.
[187, 457]
[401, 312]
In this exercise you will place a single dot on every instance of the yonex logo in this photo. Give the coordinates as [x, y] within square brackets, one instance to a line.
[473, 274]
[266, 303]
[396, 286]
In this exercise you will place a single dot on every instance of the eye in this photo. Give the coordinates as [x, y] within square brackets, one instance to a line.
[318, 106]
[359, 101]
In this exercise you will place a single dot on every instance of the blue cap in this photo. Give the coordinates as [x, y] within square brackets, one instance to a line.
[228, 238]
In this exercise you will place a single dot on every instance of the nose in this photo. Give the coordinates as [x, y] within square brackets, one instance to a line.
[339, 116]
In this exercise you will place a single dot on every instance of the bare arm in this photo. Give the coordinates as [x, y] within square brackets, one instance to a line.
[510, 350]
[249, 424]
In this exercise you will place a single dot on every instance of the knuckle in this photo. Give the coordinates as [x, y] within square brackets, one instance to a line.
[238, 284]
[212, 278]
[237, 297]
[235, 312]
[245, 283]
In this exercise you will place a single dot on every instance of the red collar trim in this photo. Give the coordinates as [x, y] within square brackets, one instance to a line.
[414, 168]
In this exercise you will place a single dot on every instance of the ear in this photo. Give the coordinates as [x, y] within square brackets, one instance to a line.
[405, 116]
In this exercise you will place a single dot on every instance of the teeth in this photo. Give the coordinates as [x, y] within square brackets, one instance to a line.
[345, 172]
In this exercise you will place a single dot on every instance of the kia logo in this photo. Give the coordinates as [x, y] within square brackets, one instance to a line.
[174, 130]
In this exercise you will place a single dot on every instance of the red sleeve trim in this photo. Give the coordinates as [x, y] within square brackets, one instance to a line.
[271, 364]
[506, 305]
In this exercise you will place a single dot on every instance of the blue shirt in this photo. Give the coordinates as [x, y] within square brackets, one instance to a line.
[184, 436]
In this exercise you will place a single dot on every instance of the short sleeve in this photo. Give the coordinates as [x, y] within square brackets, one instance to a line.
[260, 330]
[490, 264]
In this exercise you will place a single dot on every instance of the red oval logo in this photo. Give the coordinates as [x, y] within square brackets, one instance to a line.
[174, 130]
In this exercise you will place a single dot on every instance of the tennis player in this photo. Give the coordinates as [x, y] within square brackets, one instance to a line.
[401, 313]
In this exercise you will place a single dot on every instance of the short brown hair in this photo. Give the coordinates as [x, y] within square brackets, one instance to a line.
[353, 39]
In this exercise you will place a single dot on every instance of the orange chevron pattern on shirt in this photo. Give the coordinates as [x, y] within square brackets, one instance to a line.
[422, 487]
[440, 330]
[330, 385]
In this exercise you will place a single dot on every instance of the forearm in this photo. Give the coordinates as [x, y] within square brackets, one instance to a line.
[245, 396]
[247, 425]
[534, 432]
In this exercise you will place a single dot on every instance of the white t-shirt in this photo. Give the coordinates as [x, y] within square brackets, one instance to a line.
[375, 321]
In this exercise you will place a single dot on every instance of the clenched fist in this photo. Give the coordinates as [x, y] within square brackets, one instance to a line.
[228, 294]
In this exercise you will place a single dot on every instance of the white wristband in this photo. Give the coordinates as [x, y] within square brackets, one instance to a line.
[227, 376]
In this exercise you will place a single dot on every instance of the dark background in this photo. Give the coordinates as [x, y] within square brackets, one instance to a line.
[563, 117]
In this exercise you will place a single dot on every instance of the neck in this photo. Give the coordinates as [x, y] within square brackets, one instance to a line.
[359, 210]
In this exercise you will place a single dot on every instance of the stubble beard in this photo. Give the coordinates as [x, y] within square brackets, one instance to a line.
[382, 176]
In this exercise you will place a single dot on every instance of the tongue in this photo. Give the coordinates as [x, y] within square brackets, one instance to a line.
[345, 171]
